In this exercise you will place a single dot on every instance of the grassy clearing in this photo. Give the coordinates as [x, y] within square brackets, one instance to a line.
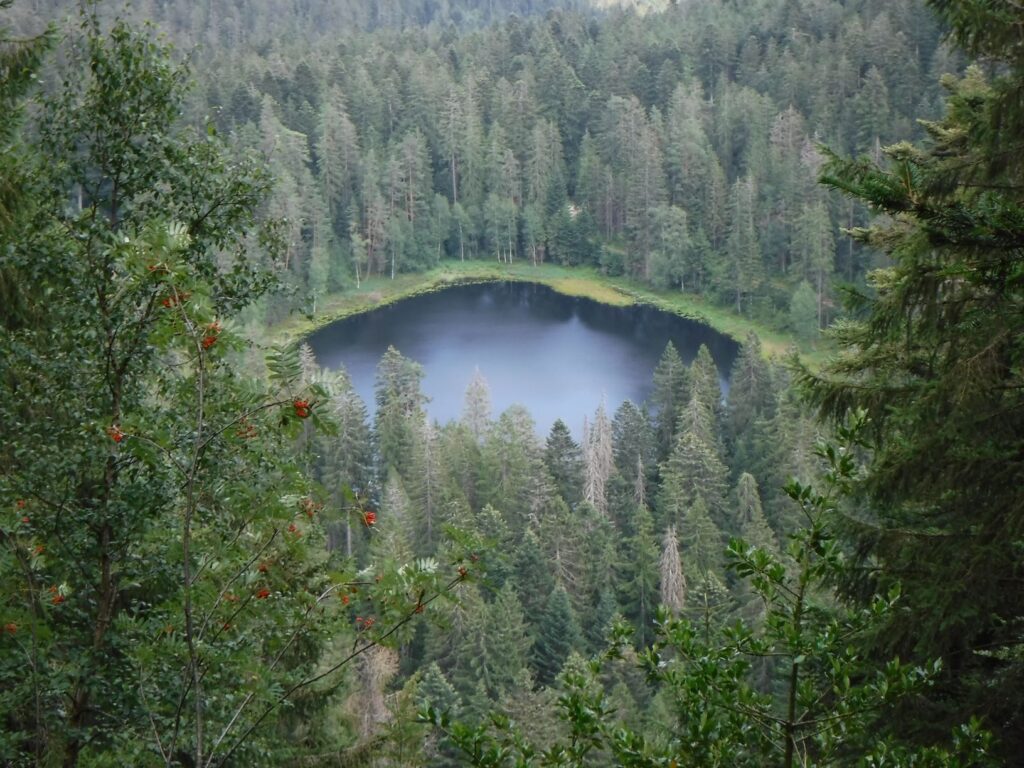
[585, 282]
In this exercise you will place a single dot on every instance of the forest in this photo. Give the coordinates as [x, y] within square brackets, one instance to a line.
[214, 552]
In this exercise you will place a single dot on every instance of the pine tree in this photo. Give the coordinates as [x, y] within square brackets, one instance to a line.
[751, 396]
[347, 456]
[504, 644]
[533, 580]
[703, 543]
[803, 312]
[707, 382]
[744, 269]
[425, 487]
[694, 470]
[433, 691]
[513, 476]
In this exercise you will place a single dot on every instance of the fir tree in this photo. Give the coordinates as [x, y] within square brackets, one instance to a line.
[932, 360]
[751, 396]
[559, 636]
[671, 390]
[640, 582]
[476, 410]
[399, 408]
[564, 461]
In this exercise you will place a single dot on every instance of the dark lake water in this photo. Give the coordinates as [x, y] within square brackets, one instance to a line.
[555, 354]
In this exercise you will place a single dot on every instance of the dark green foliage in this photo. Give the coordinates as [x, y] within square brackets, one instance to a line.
[558, 636]
[564, 462]
[803, 312]
[640, 583]
[934, 358]
[712, 677]
[532, 577]
[671, 390]
[562, 138]
[399, 409]
[751, 396]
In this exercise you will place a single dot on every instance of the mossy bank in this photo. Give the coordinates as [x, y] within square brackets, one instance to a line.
[571, 281]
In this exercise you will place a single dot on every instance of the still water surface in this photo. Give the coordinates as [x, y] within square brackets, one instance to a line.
[555, 354]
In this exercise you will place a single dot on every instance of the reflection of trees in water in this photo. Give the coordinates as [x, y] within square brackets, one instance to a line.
[462, 319]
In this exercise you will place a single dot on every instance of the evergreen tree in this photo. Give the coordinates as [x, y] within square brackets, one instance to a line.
[513, 477]
[533, 579]
[640, 581]
[931, 362]
[564, 461]
[347, 456]
[703, 543]
[752, 526]
[399, 408]
[476, 409]
[693, 470]
[706, 382]
[803, 312]
[425, 482]
[671, 390]
[502, 646]
[558, 637]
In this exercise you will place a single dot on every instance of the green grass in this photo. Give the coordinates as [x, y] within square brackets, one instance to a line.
[571, 281]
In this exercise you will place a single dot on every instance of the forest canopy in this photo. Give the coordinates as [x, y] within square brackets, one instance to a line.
[212, 554]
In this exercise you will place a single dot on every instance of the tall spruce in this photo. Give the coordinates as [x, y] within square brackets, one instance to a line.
[933, 358]
[558, 637]
[671, 390]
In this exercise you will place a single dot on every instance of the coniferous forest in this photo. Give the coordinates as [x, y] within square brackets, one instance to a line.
[215, 552]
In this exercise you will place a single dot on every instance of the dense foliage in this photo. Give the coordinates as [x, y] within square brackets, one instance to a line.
[934, 355]
[213, 554]
[680, 148]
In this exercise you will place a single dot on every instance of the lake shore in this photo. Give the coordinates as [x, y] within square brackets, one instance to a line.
[585, 282]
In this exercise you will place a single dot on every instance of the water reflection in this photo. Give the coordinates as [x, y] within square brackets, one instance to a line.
[555, 354]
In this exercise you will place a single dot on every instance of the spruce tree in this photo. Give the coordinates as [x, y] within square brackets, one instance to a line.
[752, 526]
[598, 462]
[703, 543]
[476, 409]
[640, 582]
[694, 470]
[934, 361]
[706, 382]
[399, 409]
[751, 395]
[564, 461]
[533, 580]
[671, 390]
[558, 637]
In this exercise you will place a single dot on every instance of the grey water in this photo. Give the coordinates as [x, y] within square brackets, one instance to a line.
[557, 355]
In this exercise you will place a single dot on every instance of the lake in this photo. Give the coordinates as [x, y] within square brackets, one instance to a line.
[557, 355]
